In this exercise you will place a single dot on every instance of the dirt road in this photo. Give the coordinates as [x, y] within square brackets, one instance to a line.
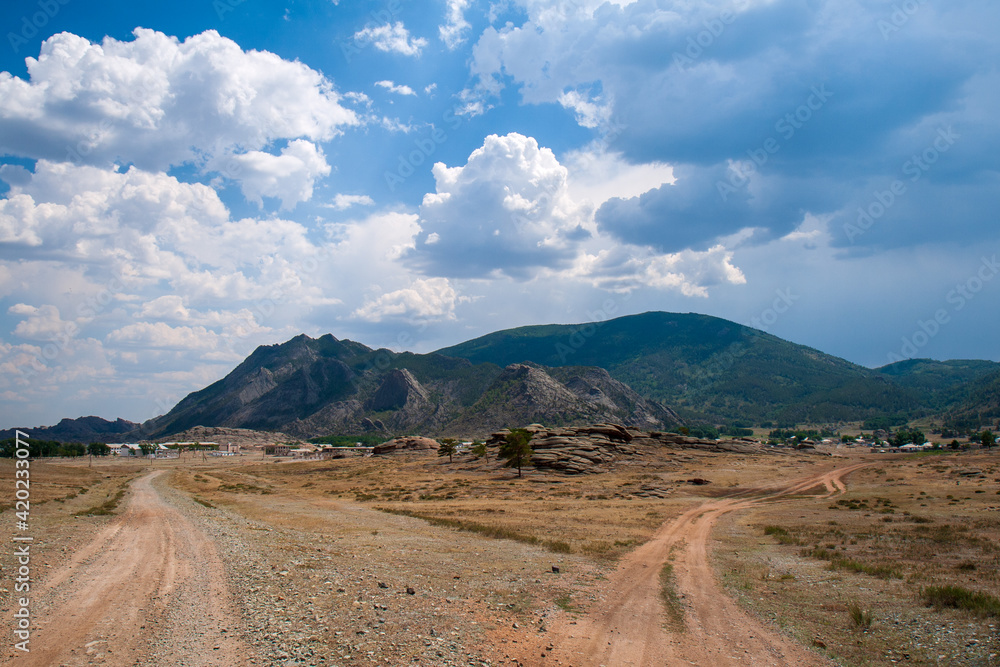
[627, 627]
[149, 589]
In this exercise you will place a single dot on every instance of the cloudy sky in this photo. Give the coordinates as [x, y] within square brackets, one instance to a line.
[182, 182]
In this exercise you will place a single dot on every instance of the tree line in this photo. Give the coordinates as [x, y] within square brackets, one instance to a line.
[53, 448]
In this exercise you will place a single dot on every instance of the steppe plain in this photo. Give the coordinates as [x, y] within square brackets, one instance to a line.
[783, 559]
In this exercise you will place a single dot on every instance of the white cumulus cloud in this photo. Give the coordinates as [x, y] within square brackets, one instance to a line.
[41, 323]
[513, 211]
[589, 112]
[391, 38]
[392, 87]
[342, 202]
[452, 33]
[423, 299]
[506, 210]
[288, 177]
[158, 102]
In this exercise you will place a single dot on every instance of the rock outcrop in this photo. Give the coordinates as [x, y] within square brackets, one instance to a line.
[405, 444]
[223, 435]
[525, 393]
[591, 449]
[676, 440]
[574, 450]
[399, 391]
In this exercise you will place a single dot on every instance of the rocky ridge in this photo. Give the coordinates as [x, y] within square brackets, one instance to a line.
[82, 429]
[314, 387]
[243, 437]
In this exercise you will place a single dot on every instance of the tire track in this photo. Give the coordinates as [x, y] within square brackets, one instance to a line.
[628, 626]
[116, 601]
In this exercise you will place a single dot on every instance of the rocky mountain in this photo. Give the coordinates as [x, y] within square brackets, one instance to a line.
[82, 429]
[308, 387]
[623, 370]
[527, 393]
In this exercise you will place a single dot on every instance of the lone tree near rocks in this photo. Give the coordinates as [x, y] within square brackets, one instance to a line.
[479, 450]
[447, 448]
[516, 450]
[988, 439]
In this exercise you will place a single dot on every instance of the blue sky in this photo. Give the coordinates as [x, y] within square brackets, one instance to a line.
[180, 184]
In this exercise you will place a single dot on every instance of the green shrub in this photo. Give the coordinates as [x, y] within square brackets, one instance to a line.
[860, 619]
[956, 597]
[780, 534]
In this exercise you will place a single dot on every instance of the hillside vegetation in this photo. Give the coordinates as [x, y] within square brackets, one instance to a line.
[710, 368]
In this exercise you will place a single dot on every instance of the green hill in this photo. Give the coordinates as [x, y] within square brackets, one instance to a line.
[980, 404]
[708, 368]
[943, 385]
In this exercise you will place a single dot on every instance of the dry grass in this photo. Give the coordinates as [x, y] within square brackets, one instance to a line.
[900, 569]
[956, 597]
[107, 507]
[873, 575]
[594, 515]
[861, 619]
[671, 600]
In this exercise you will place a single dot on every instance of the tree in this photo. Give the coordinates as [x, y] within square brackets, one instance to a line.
[904, 437]
[447, 448]
[98, 449]
[516, 449]
[988, 439]
[479, 450]
[147, 448]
